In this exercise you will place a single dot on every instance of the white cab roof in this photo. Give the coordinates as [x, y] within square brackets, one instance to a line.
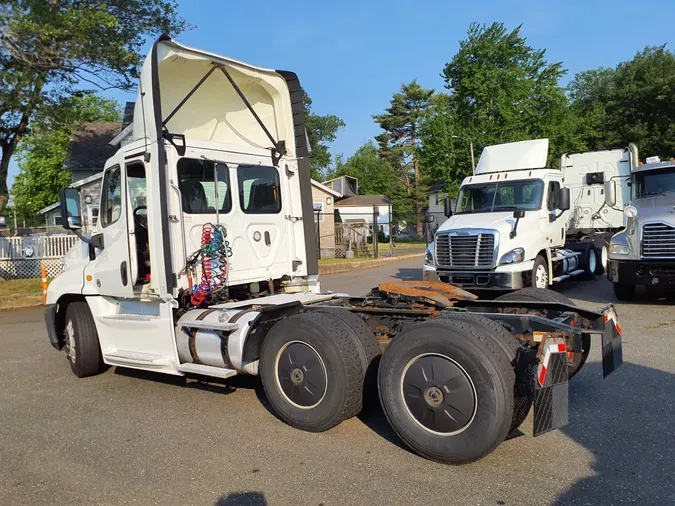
[513, 155]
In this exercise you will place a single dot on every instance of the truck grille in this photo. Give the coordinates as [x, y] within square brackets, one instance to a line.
[474, 250]
[658, 240]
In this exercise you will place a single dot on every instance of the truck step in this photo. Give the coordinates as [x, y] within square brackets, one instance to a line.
[128, 357]
[563, 277]
[131, 317]
[207, 370]
[210, 325]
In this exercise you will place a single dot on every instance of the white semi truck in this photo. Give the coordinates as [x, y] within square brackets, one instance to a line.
[203, 262]
[520, 224]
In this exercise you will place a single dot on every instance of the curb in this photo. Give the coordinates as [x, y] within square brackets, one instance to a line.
[366, 264]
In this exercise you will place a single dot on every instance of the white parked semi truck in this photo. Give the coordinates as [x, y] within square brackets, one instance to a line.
[520, 224]
[643, 254]
[203, 262]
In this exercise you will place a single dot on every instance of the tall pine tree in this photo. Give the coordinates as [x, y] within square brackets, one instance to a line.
[399, 143]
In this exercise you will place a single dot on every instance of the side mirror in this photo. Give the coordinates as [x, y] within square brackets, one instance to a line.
[563, 199]
[447, 207]
[429, 218]
[519, 214]
[71, 213]
[610, 193]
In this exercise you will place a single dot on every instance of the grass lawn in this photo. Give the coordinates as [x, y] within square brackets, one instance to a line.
[20, 293]
[329, 261]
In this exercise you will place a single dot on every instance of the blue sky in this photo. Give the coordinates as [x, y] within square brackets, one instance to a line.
[352, 55]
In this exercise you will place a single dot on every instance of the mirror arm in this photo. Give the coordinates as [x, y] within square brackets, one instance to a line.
[95, 240]
[514, 232]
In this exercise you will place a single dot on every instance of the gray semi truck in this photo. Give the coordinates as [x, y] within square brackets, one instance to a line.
[643, 254]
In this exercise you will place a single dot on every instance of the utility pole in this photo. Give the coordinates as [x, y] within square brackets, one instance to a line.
[473, 160]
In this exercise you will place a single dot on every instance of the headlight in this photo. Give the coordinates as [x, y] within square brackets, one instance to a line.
[429, 255]
[630, 212]
[619, 249]
[513, 256]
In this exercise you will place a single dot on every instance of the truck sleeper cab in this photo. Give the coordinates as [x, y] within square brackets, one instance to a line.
[223, 177]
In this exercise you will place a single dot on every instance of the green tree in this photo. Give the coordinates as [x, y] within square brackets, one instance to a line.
[504, 90]
[376, 177]
[43, 151]
[320, 130]
[635, 102]
[48, 50]
[399, 142]
[444, 153]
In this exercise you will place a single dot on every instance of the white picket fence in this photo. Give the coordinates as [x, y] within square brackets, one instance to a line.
[21, 257]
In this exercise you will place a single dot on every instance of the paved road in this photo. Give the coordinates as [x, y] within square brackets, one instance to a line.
[126, 437]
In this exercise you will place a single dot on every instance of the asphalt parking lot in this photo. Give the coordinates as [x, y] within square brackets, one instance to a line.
[131, 437]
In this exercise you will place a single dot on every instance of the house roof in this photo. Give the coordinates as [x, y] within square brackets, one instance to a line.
[363, 200]
[77, 184]
[321, 187]
[89, 147]
[437, 187]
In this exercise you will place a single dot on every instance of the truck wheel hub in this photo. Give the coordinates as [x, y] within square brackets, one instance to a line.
[300, 374]
[438, 394]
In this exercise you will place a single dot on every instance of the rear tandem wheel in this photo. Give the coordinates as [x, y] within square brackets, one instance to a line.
[446, 388]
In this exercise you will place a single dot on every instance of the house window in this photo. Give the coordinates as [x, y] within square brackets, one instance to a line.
[437, 198]
[58, 221]
[259, 189]
[93, 215]
[318, 211]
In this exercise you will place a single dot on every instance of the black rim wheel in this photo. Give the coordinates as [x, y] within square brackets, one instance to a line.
[301, 374]
[438, 394]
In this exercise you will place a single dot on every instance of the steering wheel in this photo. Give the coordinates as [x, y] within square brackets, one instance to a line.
[140, 219]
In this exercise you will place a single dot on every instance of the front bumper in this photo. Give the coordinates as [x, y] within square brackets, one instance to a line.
[480, 280]
[652, 273]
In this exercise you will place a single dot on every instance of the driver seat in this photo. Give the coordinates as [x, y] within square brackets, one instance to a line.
[193, 197]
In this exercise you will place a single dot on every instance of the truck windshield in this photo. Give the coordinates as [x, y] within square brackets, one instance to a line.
[502, 196]
[652, 183]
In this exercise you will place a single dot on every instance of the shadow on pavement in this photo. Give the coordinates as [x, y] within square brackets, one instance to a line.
[242, 499]
[216, 385]
[600, 291]
[628, 424]
[408, 274]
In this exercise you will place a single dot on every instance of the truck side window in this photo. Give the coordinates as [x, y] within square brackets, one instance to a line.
[553, 188]
[259, 189]
[197, 184]
[112, 196]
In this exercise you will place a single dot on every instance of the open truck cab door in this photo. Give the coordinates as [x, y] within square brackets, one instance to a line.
[226, 145]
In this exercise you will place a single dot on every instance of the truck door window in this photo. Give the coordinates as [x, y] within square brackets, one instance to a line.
[259, 189]
[112, 196]
[197, 184]
[553, 188]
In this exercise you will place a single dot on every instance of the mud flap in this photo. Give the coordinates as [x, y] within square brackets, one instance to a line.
[551, 389]
[612, 353]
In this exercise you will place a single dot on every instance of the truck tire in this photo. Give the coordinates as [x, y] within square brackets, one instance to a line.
[591, 262]
[575, 361]
[311, 371]
[82, 347]
[540, 274]
[624, 291]
[368, 347]
[602, 260]
[441, 366]
[523, 393]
